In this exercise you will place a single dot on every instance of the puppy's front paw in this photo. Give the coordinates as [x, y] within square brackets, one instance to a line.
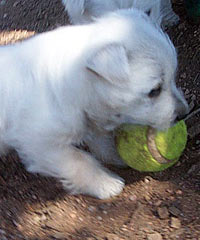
[102, 185]
[108, 185]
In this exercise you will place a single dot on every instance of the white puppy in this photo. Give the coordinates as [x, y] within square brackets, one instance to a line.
[83, 11]
[76, 84]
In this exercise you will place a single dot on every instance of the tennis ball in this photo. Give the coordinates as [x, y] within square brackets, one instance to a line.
[147, 150]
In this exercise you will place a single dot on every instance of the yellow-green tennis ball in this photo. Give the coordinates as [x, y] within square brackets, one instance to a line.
[147, 150]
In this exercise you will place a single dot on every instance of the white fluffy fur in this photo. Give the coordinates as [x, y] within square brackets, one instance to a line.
[84, 11]
[77, 84]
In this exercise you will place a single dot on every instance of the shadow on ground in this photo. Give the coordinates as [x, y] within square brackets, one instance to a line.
[37, 15]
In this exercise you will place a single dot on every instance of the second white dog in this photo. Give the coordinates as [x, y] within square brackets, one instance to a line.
[84, 11]
[77, 84]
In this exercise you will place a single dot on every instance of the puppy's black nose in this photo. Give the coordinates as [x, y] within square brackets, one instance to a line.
[182, 110]
[180, 117]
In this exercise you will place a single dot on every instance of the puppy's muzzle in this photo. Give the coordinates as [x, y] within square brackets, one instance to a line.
[181, 106]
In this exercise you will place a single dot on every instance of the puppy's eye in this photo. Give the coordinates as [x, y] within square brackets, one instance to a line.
[148, 12]
[155, 92]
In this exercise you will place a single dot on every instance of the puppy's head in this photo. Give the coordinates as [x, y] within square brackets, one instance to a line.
[133, 74]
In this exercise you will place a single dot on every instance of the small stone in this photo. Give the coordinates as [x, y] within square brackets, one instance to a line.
[193, 98]
[91, 208]
[175, 223]
[158, 203]
[2, 232]
[175, 211]
[176, 233]
[36, 218]
[34, 197]
[124, 229]
[43, 217]
[169, 191]
[15, 223]
[99, 218]
[172, 198]
[104, 206]
[163, 212]
[147, 228]
[78, 200]
[183, 75]
[147, 198]
[147, 179]
[111, 236]
[72, 215]
[15, 4]
[197, 142]
[154, 236]
[187, 92]
[59, 235]
[179, 192]
[133, 198]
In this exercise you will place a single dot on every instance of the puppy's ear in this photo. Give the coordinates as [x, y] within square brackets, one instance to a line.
[153, 10]
[110, 63]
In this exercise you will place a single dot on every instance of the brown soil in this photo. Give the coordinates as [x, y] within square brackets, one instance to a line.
[158, 206]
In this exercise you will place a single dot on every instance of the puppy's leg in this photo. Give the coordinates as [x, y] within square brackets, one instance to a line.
[170, 18]
[78, 171]
[102, 146]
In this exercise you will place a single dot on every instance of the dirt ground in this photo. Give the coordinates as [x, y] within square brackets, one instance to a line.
[152, 206]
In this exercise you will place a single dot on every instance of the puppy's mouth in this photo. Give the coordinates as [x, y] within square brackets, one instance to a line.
[130, 120]
[160, 126]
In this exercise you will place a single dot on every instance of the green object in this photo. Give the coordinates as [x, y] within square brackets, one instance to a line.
[193, 10]
[147, 150]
